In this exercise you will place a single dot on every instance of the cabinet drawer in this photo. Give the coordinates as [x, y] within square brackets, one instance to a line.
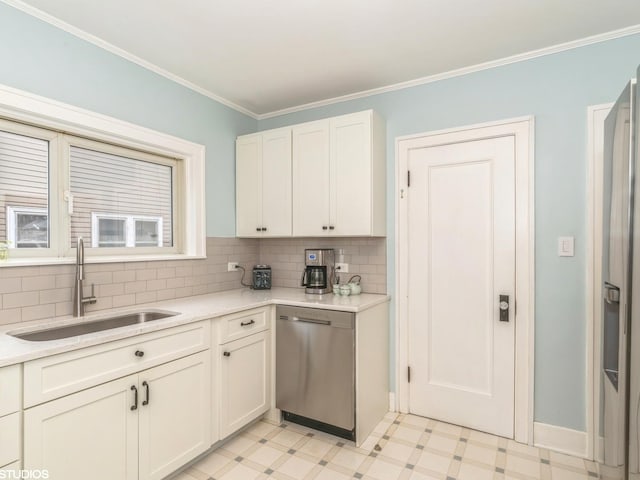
[58, 375]
[10, 388]
[241, 324]
[10, 440]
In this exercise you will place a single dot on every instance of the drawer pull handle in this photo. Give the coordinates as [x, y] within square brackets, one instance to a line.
[135, 398]
[139, 353]
[146, 387]
[246, 324]
[227, 354]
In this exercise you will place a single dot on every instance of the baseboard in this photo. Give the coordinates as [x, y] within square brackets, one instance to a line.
[273, 416]
[599, 455]
[392, 402]
[560, 439]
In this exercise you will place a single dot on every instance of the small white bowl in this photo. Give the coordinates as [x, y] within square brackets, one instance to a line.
[345, 290]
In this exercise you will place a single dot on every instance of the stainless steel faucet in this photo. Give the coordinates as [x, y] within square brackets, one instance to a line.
[79, 300]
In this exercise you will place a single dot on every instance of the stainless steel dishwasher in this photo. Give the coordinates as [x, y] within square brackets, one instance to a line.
[315, 368]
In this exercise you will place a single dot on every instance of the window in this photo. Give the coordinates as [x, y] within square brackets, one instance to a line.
[135, 193]
[113, 230]
[27, 227]
[26, 154]
[121, 198]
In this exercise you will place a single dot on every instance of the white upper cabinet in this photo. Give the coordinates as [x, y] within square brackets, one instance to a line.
[339, 176]
[321, 178]
[311, 179]
[263, 184]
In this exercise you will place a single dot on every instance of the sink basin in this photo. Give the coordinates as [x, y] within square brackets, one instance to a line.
[108, 323]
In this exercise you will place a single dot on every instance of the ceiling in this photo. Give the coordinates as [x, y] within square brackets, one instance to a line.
[266, 56]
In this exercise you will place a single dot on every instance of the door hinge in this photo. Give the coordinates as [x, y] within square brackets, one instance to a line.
[408, 178]
[408, 374]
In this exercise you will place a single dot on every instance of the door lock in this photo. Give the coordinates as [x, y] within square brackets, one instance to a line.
[504, 308]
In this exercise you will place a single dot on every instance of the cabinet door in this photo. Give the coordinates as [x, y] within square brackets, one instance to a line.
[276, 183]
[90, 434]
[311, 179]
[351, 175]
[243, 381]
[249, 186]
[174, 414]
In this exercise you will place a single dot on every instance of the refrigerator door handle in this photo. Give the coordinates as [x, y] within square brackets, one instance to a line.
[611, 293]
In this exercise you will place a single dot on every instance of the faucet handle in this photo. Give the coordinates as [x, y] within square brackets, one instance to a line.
[92, 299]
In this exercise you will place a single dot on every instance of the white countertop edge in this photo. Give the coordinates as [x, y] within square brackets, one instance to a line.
[192, 309]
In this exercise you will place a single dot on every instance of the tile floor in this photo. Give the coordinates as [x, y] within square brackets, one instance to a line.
[403, 447]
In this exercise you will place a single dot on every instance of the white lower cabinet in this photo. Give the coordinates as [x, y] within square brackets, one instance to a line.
[142, 426]
[244, 381]
[10, 417]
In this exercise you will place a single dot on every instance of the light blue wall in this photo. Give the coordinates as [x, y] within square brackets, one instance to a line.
[556, 89]
[42, 59]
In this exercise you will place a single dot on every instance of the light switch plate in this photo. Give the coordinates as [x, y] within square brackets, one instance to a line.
[565, 246]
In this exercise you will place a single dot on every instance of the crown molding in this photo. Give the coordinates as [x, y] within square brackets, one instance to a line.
[603, 37]
[20, 5]
[76, 32]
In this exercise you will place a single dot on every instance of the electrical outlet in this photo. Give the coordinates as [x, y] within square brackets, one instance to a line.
[232, 266]
[342, 268]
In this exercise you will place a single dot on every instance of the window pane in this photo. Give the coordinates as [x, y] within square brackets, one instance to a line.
[31, 231]
[24, 187]
[104, 184]
[111, 232]
[146, 233]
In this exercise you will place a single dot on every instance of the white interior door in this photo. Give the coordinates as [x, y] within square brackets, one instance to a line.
[461, 235]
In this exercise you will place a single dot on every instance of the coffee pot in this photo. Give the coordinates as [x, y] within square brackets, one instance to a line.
[319, 268]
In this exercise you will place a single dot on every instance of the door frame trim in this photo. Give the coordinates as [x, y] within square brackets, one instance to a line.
[522, 128]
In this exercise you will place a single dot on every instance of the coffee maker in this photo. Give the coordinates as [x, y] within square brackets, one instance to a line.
[318, 272]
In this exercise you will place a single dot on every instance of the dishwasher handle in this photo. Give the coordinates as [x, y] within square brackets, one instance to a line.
[311, 320]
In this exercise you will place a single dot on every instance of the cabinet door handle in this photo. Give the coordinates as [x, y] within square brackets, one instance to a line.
[227, 354]
[146, 387]
[258, 229]
[264, 229]
[324, 227]
[139, 353]
[246, 324]
[331, 227]
[135, 398]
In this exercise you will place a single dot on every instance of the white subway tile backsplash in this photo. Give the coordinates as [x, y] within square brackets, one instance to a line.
[22, 299]
[29, 293]
[366, 257]
[10, 285]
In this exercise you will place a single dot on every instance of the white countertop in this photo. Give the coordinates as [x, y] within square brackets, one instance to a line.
[191, 309]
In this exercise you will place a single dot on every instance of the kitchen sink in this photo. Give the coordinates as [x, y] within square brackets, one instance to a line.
[108, 323]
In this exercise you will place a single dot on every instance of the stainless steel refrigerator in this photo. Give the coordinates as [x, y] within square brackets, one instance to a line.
[620, 348]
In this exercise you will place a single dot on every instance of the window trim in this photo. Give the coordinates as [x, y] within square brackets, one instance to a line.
[20, 106]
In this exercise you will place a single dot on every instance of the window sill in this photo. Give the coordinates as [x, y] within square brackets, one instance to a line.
[44, 261]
